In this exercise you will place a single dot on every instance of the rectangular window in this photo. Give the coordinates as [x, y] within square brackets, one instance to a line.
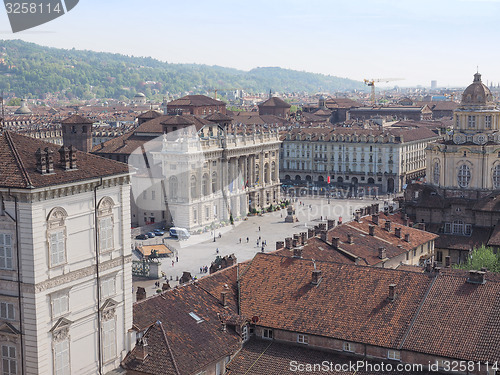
[5, 251]
[487, 122]
[447, 227]
[471, 121]
[302, 339]
[57, 250]
[414, 252]
[109, 340]
[108, 287]
[153, 195]
[61, 358]
[439, 256]
[394, 354]
[468, 229]
[60, 304]
[267, 333]
[106, 233]
[7, 311]
[348, 347]
[9, 361]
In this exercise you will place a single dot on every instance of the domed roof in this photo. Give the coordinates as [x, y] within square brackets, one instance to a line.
[140, 95]
[23, 109]
[477, 93]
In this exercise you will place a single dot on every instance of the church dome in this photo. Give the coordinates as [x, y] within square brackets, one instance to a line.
[477, 93]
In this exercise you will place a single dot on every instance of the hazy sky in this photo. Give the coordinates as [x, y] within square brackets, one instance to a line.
[419, 41]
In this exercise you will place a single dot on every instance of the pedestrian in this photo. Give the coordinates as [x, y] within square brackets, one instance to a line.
[247, 239]
[201, 269]
[240, 239]
[177, 259]
[220, 235]
[262, 249]
[217, 250]
[172, 263]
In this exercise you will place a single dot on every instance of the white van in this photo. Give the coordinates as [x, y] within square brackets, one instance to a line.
[180, 233]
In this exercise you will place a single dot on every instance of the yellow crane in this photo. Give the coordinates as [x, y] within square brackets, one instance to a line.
[371, 83]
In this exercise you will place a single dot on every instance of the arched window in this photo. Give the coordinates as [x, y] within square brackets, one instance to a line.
[105, 221]
[266, 173]
[464, 176]
[214, 182]
[205, 184]
[193, 187]
[436, 173]
[56, 235]
[496, 176]
[173, 185]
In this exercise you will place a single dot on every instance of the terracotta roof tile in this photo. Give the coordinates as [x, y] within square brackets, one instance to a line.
[195, 101]
[275, 102]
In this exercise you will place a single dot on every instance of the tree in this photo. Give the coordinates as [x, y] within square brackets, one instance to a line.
[14, 102]
[482, 257]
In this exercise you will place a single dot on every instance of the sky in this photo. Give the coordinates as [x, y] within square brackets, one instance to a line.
[415, 41]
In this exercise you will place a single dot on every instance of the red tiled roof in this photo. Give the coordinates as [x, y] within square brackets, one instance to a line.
[195, 101]
[76, 119]
[458, 320]
[350, 303]
[18, 167]
[274, 102]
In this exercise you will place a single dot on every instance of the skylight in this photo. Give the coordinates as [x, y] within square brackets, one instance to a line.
[195, 317]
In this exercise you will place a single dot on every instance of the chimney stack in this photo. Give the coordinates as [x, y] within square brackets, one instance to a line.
[397, 232]
[297, 252]
[223, 298]
[165, 286]
[322, 235]
[357, 216]
[279, 245]
[476, 277]
[140, 294]
[141, 349]
[371, 230]
[382, 253]
[310, 233]
[349, 238]
[303, 237]
[330, 224]
[335, 242]
[64, 158]
[322, 226]
[375, 219]
[407, 221]
[316, 277]
[72, 157]
[407, 237]
[295, 243]
[392, 292]
[288, 242]
[447, 261]
[41, 161]
[50, 160]
[388, 225]
[428, 267]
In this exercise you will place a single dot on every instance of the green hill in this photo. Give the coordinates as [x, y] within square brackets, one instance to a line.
[33, 71]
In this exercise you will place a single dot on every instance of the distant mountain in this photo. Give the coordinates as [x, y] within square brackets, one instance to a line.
[30, 70]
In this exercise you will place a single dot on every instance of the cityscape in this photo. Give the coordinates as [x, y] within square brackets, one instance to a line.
[168, 212]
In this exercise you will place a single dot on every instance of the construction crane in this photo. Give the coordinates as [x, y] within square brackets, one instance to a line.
[371, 83]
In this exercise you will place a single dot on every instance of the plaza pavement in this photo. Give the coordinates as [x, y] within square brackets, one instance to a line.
[201, 250]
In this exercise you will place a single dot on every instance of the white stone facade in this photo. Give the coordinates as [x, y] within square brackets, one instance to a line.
[63, 299]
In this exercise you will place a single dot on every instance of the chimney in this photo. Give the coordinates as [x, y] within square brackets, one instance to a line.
[357, 216]
[375, 219]
[140, 294]
[335, 242]
[382, 253]
[310, 233]
[50, 160]
[297, 252]
[316, 230]
[223, 298]
[421, 226]
[407, 221]
[322, 235]
[371, 230]
[386, 211]
[375, 207]
[349, 238]
[295, 243]
[407, 237]
[330, 224]
[296, 236]
[165, 286]
[280, 245]
[476, 277]
[392, 292]
[316, 277]
[72, 156]
[391, 209]
[303, 237]
[223, 327]
[141, 349]
[64, 158]
[41, 161]
[322, 226]
[428, 267]
[397, 232]
[447, 261]
[288, 242]
[388, 225]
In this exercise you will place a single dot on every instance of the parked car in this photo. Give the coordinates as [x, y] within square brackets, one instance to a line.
[141, 237]
[158, 232]
[151, 234]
